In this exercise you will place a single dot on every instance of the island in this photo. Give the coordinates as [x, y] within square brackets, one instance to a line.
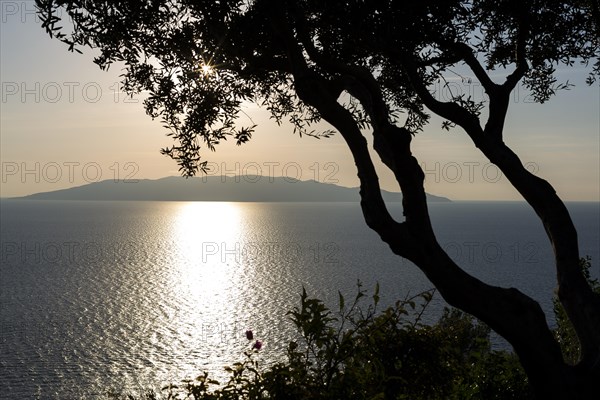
[244, 188]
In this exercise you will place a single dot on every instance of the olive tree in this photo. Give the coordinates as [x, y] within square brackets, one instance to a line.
[367, 67]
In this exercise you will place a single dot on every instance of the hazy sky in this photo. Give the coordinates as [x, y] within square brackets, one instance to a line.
[65, 123]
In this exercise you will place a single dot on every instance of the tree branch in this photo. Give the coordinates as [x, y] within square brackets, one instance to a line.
[322, 94]
[469, 58]
[521, 54]
[361, 84]
[449, 110]
[499, 95]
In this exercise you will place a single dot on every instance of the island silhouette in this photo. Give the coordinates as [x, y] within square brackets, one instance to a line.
[243, 188]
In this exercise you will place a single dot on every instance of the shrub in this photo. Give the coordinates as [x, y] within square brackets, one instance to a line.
[360, 353]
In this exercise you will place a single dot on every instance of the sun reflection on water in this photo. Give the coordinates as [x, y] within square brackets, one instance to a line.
[207, 274]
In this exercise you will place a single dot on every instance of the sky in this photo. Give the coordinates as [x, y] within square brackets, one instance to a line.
[64, 123]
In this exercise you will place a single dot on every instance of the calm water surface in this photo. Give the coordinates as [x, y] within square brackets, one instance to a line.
[97, 296]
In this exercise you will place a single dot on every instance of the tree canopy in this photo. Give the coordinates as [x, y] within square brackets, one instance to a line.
[367, 67]
[200, 60]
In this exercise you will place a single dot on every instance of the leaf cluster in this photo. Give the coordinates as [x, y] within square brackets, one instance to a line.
[164, 45]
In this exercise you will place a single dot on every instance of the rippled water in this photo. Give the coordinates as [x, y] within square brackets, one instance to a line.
[99, 296]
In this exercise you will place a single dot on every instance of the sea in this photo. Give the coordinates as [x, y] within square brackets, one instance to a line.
[123, 297]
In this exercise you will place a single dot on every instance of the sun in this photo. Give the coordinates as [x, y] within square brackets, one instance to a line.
[207, 69]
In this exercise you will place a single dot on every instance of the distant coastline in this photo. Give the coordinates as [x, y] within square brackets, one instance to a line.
[247, 188]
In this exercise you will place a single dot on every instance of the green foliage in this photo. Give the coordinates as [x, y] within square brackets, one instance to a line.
[360, 353]
[564, 331]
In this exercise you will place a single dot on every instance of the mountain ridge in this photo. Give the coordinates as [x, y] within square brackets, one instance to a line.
[243, 188]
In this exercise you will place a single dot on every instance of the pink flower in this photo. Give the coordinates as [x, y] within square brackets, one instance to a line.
[257, 345]
[249, 335]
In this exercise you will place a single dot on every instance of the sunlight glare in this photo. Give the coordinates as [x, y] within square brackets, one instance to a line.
[206, 272]
[207, 69]
[207, 235]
